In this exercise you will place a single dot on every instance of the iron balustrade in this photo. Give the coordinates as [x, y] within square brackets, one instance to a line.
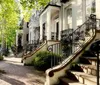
[55, 48]
[28, 48]
[66, 32]
[74, 40]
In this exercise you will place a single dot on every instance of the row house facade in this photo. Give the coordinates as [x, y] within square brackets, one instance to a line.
[28, 33]
[61, 20]
[34, 27]
[22, 35]
[59, 16]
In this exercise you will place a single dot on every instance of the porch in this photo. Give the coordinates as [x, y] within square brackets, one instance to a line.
[49, 23]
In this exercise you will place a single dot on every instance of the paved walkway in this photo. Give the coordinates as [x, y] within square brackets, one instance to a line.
[17, 74]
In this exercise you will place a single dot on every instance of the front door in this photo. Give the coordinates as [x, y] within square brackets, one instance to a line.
[19, 49]
[44, 37]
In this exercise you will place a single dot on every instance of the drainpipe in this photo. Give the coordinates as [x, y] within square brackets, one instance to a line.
[61, 16]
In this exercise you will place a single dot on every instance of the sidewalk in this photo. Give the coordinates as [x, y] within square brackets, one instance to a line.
[17, 74]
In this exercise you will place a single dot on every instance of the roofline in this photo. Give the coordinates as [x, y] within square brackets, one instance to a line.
[48, 6]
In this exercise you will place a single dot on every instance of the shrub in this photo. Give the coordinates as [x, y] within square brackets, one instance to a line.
[42, 61]
[1, 58]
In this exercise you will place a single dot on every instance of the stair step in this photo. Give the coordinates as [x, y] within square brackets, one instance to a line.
[66, 81]
[76, 67]
[84, 60]
[85, 78]
[90, 69]
[92, 60]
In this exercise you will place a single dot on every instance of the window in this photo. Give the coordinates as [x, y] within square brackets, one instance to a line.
[93, 7]
[79, 12]
[90, 7]
[69, 17]
[69, 12]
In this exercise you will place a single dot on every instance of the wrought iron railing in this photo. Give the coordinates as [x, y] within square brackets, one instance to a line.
[73, 41]
[55, 48]
[31, 47]
[29, 52]
[66, 32]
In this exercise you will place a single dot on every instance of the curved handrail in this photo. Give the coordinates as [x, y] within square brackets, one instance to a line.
[51, 72]
[33, 52]
[92, 21]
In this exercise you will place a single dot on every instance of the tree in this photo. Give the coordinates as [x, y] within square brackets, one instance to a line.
[9, 17]
[29, 5]
[37, 4]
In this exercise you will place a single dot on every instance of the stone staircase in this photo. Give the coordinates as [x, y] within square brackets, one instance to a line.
[27, 58]
[84, 72]
[31, 49]
[74, 68]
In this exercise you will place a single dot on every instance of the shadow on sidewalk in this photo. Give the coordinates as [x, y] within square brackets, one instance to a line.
[11, 80]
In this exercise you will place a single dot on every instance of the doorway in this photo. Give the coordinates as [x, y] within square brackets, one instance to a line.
[57, 30]
[43, 32]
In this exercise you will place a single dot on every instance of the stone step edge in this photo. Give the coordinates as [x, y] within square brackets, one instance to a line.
[84, 75]
[70, 82]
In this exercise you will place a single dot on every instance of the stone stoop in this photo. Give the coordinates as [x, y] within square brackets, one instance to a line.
[66, 81]
[85, 78]
[89, 69]
[83, 72]
[92, 60]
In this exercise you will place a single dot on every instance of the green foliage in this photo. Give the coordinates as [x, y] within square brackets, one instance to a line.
[29, 5]
[42, 61]
[36, 4]
[1, 58]
[74, 64]
[9, 17]
[66, 47]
